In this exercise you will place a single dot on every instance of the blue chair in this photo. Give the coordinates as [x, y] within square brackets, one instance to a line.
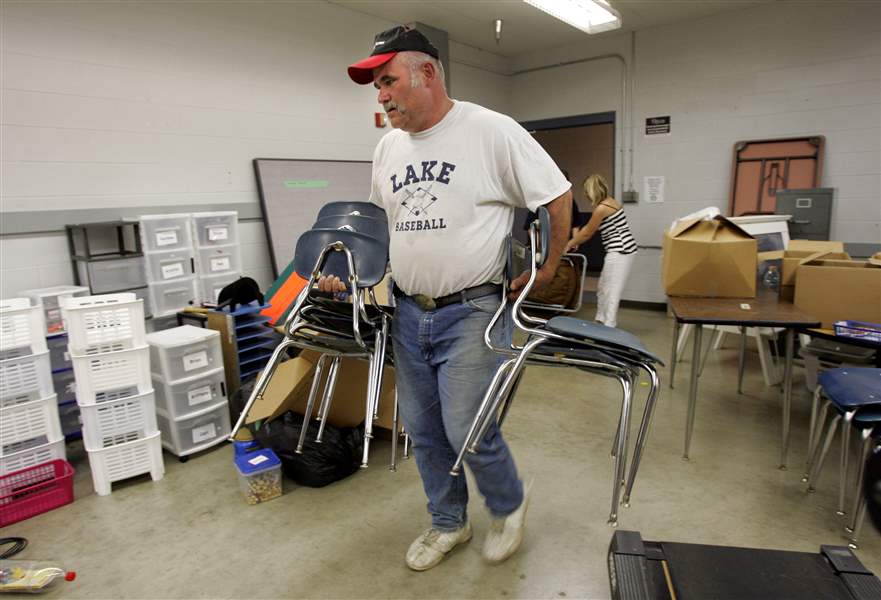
[338, 209]
[854, 396]
[566, 341]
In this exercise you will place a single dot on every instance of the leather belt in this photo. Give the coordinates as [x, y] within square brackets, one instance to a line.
[429, 303]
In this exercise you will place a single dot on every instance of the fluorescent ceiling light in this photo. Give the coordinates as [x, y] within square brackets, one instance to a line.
[590, 16]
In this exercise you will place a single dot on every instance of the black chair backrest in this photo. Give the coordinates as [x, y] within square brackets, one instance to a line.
[364, 209]
[369, 255]
[544, 234]
[376, 228]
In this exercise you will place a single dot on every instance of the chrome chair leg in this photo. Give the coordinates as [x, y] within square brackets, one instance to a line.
[393, 466]
[313, 393]
[371, 399]
[846, 424]
[642, 437]
[811, 433]
[510, 399]
[812, 457]
[406, 445]
[501, 372]
[261, 385]
[817, 467]
[859, 518]
[627, 389]
[859, 497]
[329, 388]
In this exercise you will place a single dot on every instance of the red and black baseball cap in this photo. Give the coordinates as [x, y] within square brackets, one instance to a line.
[385, 46]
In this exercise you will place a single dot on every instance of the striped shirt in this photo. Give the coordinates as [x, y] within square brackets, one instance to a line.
[616, 234]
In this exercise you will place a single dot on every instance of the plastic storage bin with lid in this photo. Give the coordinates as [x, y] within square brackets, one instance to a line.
[259, 475]
[186, 396]
[166, 266]
[216, 228]
[220, 260]
[171, 296]
[165, 232]
[210, 286]
[51, 298]
[198, 431]
[112, 275]
[184, 351]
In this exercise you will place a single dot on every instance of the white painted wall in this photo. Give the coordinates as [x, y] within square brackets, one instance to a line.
[781, 69]
[110, 104]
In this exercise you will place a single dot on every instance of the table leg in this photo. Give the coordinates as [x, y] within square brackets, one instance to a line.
[676, 329]
[787, 395]
[741, 359]
[692, 389]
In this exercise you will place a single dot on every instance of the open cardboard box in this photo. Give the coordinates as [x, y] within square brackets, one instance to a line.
[837, 290]
[798, 252]
[711, 258]
[290, 384]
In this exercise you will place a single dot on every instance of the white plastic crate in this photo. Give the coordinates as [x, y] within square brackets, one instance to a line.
[186, 396]
[33, 456]
[184, 352]
[118, 421]
[51, 298]
[220, 260]
[115, 463]
[100, 323]
[112, 275]
[216, 228]
[170, 297]
[198, 431]
[112, 375]
[165, 232]
[27, 377]
[211, 285]
[36, 420]
[173, 264]
[22, 328]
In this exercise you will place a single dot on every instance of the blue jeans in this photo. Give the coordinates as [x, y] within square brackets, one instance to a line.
[442, 370]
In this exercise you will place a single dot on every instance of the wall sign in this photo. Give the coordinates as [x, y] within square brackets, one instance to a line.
[653, 188]
[657, 125]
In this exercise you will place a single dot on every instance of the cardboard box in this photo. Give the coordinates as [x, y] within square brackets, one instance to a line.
[290, 384]
[835, 290]
[711, 258]
[798, 252]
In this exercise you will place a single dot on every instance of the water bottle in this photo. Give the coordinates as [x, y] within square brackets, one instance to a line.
[31, 575]
[771, 280]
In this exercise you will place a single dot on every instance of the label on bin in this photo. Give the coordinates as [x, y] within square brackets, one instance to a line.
[166, 238]
[216, 234]
[258, 459]
[204, 433]
[196, 360]
[199, 395]
[220, 264]
[172, 271]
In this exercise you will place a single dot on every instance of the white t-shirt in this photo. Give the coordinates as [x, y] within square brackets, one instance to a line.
[450, 193]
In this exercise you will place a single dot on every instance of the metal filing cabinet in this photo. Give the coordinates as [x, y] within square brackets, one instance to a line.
[811, 210]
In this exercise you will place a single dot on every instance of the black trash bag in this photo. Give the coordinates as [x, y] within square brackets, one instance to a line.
[336, 457]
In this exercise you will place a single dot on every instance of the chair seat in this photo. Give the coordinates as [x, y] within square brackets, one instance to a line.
[588, 330]
[852, 387]
[582, 353]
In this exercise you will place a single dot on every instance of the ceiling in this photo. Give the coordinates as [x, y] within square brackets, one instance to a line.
[526, 28]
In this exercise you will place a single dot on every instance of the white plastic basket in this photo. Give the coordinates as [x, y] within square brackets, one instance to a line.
[183, 352]
[25, 378]
[22, 328]
[29, 421]
[118, 421]
[112, 375]
[109, 320]
[126, 460]
[190, 434]
[51, 299]
[33, 456]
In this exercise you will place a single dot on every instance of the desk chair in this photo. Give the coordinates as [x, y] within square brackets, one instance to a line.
[566, 341]
[854, 394]
[338, 209]
[335, 328]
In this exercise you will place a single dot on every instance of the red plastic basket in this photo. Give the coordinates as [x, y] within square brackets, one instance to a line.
[35, 490]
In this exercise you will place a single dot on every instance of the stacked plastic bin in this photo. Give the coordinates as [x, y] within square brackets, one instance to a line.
[169, 262]
[111, 363]
[30, 431]
[218, 253]
[63, 381]
[191, 402]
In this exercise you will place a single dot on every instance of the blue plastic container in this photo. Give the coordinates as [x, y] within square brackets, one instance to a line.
[259, 475]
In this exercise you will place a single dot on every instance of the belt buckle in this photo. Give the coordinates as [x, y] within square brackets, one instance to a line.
[424, 302]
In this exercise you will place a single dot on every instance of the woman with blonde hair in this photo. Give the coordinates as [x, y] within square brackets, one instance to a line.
[608, 217]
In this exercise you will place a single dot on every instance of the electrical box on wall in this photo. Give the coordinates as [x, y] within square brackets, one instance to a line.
[630, 197]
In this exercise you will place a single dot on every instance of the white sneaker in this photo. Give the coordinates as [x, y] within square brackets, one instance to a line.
[506, 534]
[431, 547]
